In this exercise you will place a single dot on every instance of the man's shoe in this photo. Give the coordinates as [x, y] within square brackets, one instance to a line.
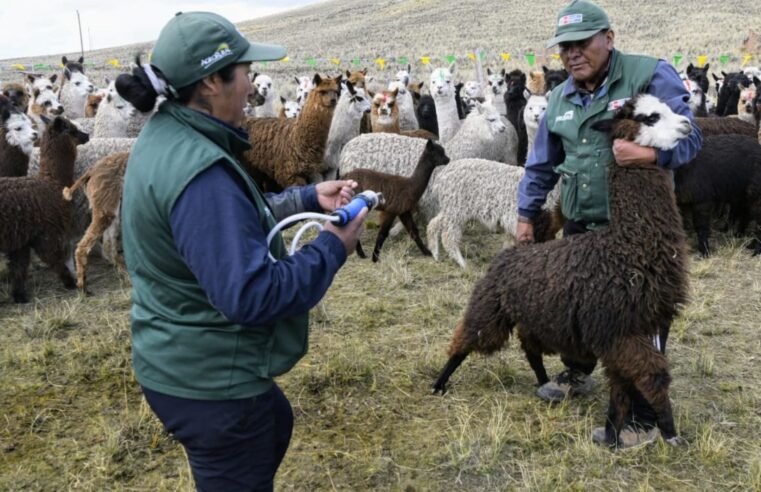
[629, 437]
[570, 382]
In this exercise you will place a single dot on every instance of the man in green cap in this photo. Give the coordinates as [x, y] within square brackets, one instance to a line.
[601, 80]
[214, 320]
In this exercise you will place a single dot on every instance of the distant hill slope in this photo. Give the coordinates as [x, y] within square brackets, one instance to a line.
[349, 29]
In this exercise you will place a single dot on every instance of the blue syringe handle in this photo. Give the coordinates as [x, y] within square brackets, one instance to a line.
[348, 212]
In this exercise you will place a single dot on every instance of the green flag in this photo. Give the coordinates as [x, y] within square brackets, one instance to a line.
[451, 58]
[724, 59]
[677, 59]
[312, 61]
[531, 59]
[356, 61]
[403, 60]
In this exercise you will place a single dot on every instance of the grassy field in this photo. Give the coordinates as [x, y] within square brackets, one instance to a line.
[73, 417]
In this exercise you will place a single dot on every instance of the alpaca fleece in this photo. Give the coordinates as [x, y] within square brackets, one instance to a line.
[288, 152]
[722, 126]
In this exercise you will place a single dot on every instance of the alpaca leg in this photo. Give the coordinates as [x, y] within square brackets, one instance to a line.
[18, 267]
[94, 231]
[433, 234]
[618, 408]
[440, 385]
[360, 251]
[387, 220]
[53, 254]
[409, 224]
[701, 221]
[450, 238]
[535, 360]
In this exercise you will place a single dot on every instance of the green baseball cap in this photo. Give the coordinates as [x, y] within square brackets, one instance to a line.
[579, 20]
[194, 45]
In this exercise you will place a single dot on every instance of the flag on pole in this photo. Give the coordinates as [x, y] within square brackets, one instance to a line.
[702, 59]
[505, 56]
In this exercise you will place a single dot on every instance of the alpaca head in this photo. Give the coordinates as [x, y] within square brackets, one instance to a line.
[399, 87]
[442, 83]
[486, 112]
[17, 128]
[553, 78]
[325, 92]
[535, 82]
[697, 97]
[62, 127]
[403, 75]
[358, 103]
[718, 82]
[263, 84]
[124, 108]
[534, 110]
[47, 102]
[291, 109]
[74, 73]
[41, 83]
[304, 86]
[757, 99]
[472, 89]
[17, 95]
[516, 83]
[497, 84]
[357, 78]
[434, 154]
[699, 75]
[745, 104]
[385, 110]
[647, 121]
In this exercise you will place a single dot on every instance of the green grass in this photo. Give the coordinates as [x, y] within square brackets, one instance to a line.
[72, 416]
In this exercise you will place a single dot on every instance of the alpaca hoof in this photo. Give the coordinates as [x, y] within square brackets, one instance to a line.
[376, 258]
[439, 389]
[676, 442]
[426, 253]
[361, 254]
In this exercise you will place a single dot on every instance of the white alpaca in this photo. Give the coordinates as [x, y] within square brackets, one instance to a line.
[289, 109]
[496, 91]
[532, 115]
[443, 92]
[263, 84]
[407, 119]
[475, 190]
[352, 106]
[42, 100]
[304, 86]
[113, 117]
[75, 87]
[404, 75]
[18, 132]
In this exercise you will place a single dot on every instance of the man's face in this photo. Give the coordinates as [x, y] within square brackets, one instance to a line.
[586, 59]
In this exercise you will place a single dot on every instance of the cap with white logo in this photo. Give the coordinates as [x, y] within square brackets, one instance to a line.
[579, 20]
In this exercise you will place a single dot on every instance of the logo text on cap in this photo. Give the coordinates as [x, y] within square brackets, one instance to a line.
[570, 19]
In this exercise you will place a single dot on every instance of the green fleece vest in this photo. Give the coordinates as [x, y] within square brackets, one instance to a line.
[181, 345]
[588, 153]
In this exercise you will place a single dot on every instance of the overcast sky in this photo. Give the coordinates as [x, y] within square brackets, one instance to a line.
[42, 27]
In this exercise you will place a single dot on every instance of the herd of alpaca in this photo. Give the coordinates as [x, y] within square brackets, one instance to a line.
[444, 153]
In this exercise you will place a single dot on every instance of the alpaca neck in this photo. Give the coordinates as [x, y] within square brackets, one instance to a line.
[57, 159]
[421, 175]
[390, 126]
[313, 125]
[447, 117]
[14, 160]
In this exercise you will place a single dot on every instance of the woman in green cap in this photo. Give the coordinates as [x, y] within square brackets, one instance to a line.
[214, 320]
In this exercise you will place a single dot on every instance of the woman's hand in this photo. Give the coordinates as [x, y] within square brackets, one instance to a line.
[334, 194]
[630, 154]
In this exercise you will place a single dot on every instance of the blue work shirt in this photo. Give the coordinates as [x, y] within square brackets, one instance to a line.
[547, 152]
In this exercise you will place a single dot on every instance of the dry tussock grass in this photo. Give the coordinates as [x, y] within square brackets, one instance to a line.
[74, 418]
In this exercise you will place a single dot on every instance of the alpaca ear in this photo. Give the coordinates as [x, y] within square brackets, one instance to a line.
[64, 60]
[45, 119]
[545, 69]
[282, 100]
[395, 92]
[453, 67]
[364, 71]
[757, 82]
[317, 79]
[504, 73]
[724, 73]
[5, 114]
[715, 78]
[348, 74]
[254, 76]
[107, 81]
[705, 69]
[53, 78]
[298, 82]
[81, 59]
[689, 68]
[349, 87]
[488, 71]
[67, 73]
[30, 78]
[605, 126]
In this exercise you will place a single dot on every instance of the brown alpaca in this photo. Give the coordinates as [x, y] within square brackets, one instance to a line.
[725, 124]
[401, 195]
[535, 82]
[601, 295]
[16, 139]
[287, 152]
[91, 107]
[18, 95]
[416, 89]
[34, 215]
[384, 116]
[103, 187]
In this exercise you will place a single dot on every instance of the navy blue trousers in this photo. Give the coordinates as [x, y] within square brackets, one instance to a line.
[641, 412]
[232, 445]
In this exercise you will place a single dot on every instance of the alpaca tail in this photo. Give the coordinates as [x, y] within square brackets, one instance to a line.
[68, 192]
[434, 233]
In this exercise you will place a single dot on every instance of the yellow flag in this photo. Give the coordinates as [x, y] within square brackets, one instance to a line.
[425, 60]
[286, 59]
[114, 62]
[381, 63]
[702, 59]
[18, 66]
[337, 61]
[472, 56]
[746, 59]
[505, 56]
[555, 56]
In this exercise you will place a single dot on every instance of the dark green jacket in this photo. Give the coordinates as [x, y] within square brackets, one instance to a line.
[181, 344]
[584, 172]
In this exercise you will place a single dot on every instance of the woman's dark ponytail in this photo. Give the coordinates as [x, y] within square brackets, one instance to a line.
[137, 88]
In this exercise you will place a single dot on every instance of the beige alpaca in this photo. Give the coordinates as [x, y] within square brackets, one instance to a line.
[103, 187]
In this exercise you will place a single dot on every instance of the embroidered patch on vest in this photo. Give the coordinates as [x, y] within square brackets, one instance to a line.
[617, 104]
[565, 117]
[570, 19]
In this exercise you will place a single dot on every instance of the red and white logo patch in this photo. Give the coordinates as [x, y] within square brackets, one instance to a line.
[570, 19]
[617, 104]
